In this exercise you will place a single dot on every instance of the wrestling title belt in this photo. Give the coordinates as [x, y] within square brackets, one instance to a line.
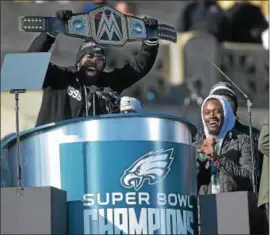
[104, 25]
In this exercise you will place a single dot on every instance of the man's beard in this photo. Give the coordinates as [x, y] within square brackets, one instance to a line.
[88, 74]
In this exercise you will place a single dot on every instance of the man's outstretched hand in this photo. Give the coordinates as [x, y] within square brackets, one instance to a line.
[150, 22]
[64, 15]
[153, 24]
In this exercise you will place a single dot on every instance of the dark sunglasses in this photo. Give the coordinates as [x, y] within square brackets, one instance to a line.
[95, 55]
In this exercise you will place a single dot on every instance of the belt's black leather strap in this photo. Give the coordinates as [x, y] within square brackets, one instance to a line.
[167, 32]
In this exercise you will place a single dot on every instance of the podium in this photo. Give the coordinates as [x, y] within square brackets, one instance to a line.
[39, 210]
[123, 173]
[232, 213]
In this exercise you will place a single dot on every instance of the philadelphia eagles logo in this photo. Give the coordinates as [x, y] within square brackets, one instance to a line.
[150, 168]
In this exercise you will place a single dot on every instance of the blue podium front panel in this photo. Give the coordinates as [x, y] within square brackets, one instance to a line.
[124, 174]
[129, 187]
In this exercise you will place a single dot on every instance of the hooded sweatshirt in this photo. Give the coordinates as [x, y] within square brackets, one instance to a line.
[234, 167]
[228, 124]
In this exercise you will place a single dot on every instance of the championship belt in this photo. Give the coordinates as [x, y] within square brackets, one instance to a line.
[105, 25]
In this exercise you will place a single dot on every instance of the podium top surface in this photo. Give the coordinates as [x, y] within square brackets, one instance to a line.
[24, 71]
[48, 127]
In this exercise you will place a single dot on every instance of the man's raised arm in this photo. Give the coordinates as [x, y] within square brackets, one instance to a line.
[122, 78]
[44, 41]
[55, 76]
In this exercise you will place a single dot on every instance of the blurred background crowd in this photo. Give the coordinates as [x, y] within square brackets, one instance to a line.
[234, 34]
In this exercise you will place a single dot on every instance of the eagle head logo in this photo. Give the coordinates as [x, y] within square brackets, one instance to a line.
[152, 168]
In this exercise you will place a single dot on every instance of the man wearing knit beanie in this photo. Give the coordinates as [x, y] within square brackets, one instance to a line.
[68, 91]
[226, 90]
[90, 62]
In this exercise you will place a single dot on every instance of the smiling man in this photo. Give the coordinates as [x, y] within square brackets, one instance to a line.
[226, 90]
[224, 156]
[213, 116]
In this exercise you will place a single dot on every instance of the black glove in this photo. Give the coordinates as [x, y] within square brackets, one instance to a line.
[64, 15]
[150, 22]
[153, 24]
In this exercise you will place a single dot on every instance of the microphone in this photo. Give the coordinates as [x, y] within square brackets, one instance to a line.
[237, 87]
[249, 104]
[100, 94]
[113, 94]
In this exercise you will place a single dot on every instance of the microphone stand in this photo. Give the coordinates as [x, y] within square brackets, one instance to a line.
[113, 98]
[249, 104]
[107, 103]
[108, 108]
[19, 166]
[94, 104]
[101, 94]
[104, 95]
[92, 90]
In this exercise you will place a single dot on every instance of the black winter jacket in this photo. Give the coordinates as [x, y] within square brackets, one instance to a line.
[234, 167]
[65, 98]
[240, 130]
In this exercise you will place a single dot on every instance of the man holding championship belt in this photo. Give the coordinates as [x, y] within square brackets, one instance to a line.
[67, 91]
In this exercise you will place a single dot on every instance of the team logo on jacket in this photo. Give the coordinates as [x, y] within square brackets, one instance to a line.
[148, 169]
